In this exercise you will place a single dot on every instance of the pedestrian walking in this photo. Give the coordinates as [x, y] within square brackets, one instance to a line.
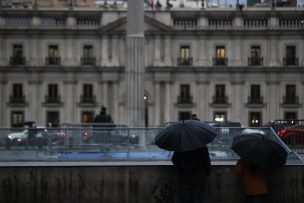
[253, 180]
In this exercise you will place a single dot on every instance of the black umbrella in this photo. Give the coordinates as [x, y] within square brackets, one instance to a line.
[259, 149]
[185, 135]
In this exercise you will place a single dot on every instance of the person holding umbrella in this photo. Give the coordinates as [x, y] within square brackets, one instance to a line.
[258, 151]
[193, 168]
[188, 140]
[254, 181]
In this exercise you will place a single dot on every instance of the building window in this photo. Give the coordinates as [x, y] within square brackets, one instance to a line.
[88, 57]
[53, 90]
[17, 94]
[255, 95]
[220, 56]
[52, 96]
[17, 58]
[220, 95]
[255, 57]
[220, 116]
[184, 56]
[255, 119]
[87, 117]
[184, 115]
[17, 90]
[52, 119]
[87, 96]
[290, 97]
[53, 57]
[184, 97]
[18, 50]
[290, 115]
[17, 117]
[290, 59]
[87, 90]
[220, 52]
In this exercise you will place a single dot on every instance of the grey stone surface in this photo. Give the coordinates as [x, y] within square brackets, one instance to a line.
[133, 184]
[135, 66]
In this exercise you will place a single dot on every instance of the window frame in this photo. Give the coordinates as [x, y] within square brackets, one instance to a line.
[219, 115]
[17, 90]
[220, 52]
[53, 90]
[255, 118]
[87, 90]
[20, 117]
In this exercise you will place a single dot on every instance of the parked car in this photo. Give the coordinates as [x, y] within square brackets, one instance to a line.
[292, 135]
[110, 133]
[278, 125]
[225, 124]
[39, 137]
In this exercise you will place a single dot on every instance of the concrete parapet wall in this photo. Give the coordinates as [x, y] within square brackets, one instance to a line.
[133, 184]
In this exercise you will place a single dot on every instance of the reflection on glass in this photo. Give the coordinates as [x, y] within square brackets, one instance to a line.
[108, 142]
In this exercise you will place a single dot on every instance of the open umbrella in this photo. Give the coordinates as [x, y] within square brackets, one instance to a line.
[185, 135]
[256, 148]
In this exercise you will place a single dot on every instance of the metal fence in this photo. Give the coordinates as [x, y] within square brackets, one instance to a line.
[108, 142]
[291, 132]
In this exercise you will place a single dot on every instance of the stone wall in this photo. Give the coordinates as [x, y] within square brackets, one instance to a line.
[133, 184]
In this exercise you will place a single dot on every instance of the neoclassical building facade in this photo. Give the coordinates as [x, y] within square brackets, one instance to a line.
[60, 65]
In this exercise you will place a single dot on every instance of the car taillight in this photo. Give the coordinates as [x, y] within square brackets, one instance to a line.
[282, 132]
[86, 133]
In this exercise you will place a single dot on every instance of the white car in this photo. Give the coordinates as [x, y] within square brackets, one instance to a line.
[21, 138]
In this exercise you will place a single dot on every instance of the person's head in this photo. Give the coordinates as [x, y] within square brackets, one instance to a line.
[103, 109]
[194, 117]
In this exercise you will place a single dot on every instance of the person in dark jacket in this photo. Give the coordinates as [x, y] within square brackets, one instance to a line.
[193, 168]
[103, 117]
[103, 127]
[194, 117]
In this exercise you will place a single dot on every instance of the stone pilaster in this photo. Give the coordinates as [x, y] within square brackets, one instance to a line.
[157, 107]
[168, 104]
[157, 50]
[168, 57]
[273, 48]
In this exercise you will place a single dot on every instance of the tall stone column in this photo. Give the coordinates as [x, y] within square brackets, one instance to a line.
[135, 70]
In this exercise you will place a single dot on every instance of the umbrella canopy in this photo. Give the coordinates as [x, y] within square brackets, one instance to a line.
[185, 135]
[258, 149]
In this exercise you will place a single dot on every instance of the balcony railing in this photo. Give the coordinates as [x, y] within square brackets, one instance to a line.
[254, 61]
[184, 100]
[291, 100]
[256, 20]
[17, 99]
[220, 100]
[88, 61]
[53, 61]
[184, 61]
[185, 22]
[291, 61]
[255, 100]
[87, 99]
[17, 60]
[52, 99]
[220, 61]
